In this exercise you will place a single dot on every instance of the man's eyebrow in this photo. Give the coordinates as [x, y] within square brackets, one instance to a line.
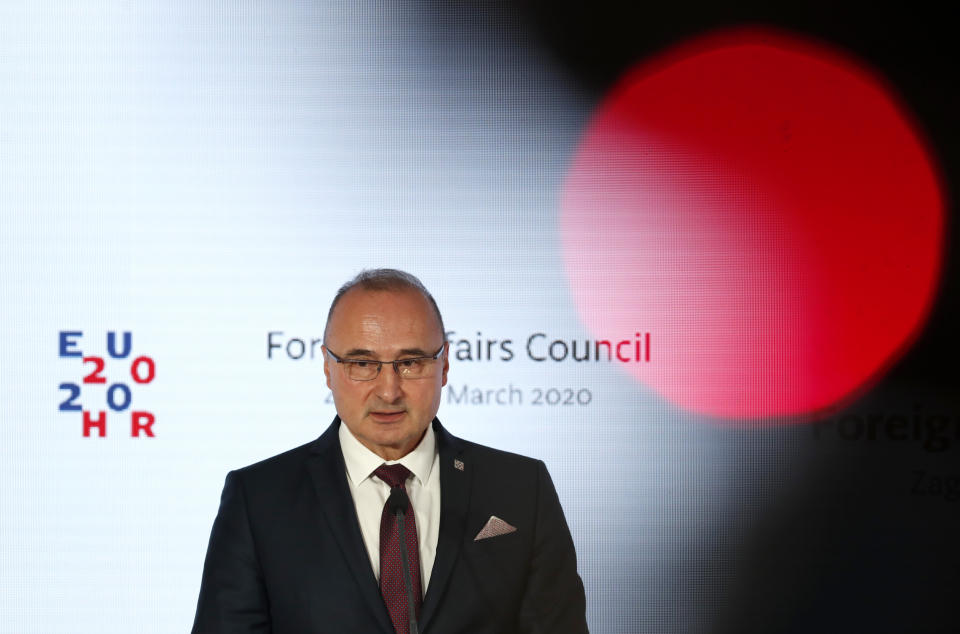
[418, 352]
[358, 352]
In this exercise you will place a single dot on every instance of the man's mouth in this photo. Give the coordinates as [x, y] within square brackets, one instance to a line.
[387, 416]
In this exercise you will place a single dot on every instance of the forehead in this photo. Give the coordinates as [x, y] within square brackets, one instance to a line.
[383, 322]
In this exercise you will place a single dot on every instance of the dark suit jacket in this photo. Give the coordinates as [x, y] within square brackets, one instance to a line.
[286, 555]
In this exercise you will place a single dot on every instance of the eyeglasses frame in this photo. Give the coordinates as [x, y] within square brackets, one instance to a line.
[395, 363]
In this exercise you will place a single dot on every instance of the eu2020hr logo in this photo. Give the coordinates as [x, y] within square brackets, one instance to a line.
[125, 371]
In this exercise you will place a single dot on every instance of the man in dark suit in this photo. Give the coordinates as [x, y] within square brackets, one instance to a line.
[388, 523]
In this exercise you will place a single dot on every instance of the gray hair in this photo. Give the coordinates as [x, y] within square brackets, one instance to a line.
[385, 280]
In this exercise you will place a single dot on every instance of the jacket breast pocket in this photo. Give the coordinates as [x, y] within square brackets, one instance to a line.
[506, 554]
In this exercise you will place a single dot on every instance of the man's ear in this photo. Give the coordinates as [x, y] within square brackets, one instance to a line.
[326, 365]
[446, 362]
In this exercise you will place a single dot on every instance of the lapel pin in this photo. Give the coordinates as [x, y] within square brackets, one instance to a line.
[458, 464]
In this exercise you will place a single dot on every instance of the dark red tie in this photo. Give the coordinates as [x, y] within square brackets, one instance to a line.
[392, 586]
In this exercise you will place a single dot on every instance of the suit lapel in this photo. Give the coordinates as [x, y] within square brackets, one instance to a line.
[328, 472]
[455, 478]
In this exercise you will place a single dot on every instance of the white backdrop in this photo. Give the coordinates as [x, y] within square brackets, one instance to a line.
[203, 174]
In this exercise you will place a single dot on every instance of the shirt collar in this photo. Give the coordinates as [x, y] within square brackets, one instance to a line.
[361, 462]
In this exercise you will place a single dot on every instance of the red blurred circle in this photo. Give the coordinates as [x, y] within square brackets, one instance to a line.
[761, 205]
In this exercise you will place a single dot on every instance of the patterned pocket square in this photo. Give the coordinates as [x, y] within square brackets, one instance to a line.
[494, 528]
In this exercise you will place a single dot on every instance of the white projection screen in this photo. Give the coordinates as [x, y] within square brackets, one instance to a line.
[184, 186]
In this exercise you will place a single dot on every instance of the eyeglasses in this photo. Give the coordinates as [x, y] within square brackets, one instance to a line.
[409, 368]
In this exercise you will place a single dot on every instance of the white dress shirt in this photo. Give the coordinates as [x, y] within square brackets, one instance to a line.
[370, 494]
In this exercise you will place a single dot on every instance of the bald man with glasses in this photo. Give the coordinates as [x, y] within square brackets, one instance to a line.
[387, 523]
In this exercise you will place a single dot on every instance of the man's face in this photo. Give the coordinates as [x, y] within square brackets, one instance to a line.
[388, 415]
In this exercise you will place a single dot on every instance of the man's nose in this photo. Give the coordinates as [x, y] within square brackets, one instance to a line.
[389, 386]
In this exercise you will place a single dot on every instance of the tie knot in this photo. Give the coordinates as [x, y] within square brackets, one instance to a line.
[393, 474]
